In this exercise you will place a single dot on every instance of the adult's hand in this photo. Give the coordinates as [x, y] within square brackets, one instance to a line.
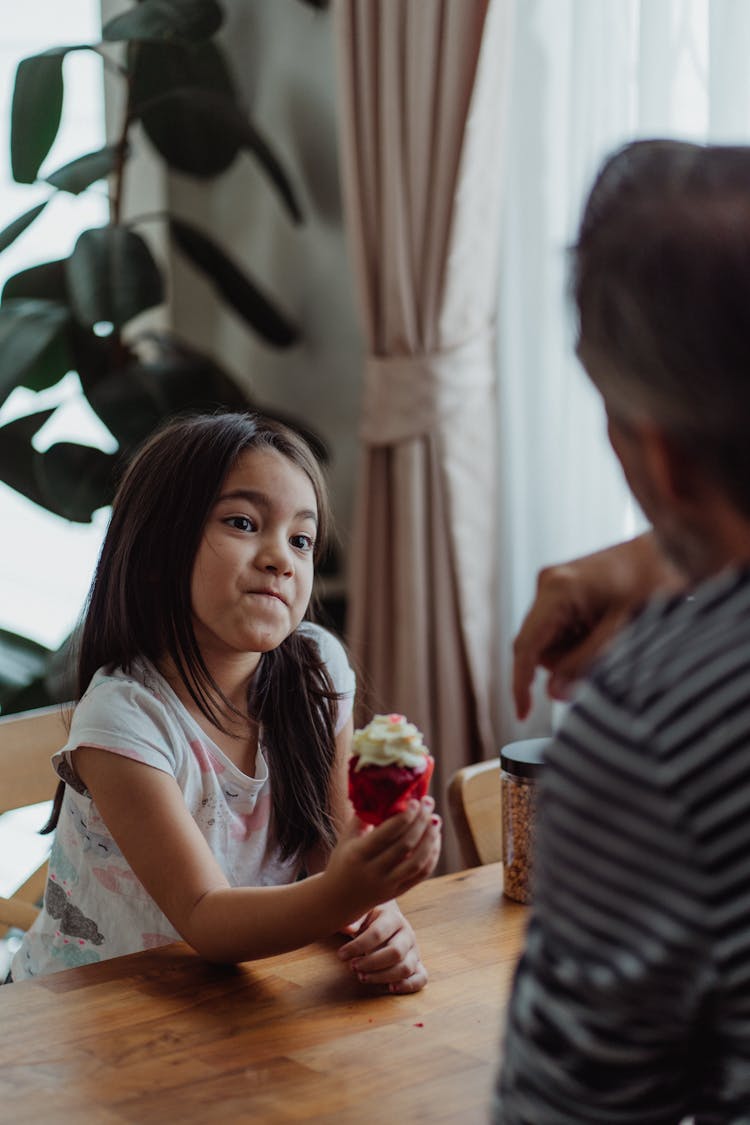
[579, 606]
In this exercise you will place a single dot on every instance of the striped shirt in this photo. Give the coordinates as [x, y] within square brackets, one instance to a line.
[631, 1002]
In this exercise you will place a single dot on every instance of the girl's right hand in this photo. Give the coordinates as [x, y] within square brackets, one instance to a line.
[369, 865]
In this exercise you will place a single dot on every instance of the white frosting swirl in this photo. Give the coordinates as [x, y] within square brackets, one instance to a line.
[389, 740]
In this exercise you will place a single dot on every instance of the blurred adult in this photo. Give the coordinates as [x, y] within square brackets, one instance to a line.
[631, 1002]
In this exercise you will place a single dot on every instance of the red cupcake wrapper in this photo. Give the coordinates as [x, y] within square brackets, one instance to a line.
[378, 792]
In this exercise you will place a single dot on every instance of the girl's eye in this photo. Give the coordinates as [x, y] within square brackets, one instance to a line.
[240, 523]
[302, 542]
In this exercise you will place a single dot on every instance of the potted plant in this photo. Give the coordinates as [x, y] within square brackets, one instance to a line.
[77, 313]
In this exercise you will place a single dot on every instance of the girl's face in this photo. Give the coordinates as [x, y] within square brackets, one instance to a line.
[253, 573]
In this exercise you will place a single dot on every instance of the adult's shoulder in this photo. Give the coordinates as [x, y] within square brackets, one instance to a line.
[673, 637]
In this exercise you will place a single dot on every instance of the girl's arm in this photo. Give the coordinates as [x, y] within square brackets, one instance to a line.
[165, 849]
[383, 949]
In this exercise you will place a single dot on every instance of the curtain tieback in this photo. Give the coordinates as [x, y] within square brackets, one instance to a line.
[409, 396]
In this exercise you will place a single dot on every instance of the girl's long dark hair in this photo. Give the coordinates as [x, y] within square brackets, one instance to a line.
[139, 605]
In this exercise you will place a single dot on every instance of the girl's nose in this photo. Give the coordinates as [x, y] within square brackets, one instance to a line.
[276, 557]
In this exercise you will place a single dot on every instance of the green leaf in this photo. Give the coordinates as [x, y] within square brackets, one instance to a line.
[27, 329]
[84, 171]
[94, 357]
[18, 456]
[132, 401]
[45, 285]
[45, 281]
[128, 403]
[188, 106]
[189, 129]
[51, 365]
[35, 111]
[22, 660]
[189, 20]
[55, 684]
[71, 480]
[206, 132]
[33, 694]
[188, 139]
[19, 225]
[75, 480]
[235, 287]
[112, 276]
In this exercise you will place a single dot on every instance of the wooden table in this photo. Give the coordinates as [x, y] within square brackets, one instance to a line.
[164, 1037]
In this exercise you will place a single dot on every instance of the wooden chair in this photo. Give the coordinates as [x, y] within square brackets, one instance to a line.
[474, 805]
[27, 742]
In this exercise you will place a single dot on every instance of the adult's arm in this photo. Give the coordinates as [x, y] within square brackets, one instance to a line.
[578, 608]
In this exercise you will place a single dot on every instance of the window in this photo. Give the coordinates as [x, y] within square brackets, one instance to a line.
[587, 75]
[46, 562]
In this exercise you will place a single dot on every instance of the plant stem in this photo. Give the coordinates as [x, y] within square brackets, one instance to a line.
[120, 353]
[119, 173]
[121, 148]
[148, 217]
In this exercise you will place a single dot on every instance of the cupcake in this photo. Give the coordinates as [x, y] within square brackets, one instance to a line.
[389, 765]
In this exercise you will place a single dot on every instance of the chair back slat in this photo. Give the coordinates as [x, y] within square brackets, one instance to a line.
[474, 805]
[27, 742]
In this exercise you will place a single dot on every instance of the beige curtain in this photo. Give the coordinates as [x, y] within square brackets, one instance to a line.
[422, 91]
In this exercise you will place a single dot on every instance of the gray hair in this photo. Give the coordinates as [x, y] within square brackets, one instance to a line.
[661, 284]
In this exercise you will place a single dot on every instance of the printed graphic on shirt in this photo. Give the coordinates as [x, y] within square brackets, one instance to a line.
[243, 825]
[73, 922]
[70, 954]
[94, 835]
[61, 868]
[121, 881]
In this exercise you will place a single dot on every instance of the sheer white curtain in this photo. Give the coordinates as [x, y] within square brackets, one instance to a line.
[587, 76]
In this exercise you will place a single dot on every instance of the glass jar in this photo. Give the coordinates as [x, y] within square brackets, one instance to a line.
[520, 769]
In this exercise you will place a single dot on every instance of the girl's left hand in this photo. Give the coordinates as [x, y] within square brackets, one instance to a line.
[384, 951]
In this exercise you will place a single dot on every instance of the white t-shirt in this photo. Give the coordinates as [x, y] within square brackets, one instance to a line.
[94, 906]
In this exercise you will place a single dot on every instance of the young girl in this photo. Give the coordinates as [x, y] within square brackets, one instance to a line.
[205, 772]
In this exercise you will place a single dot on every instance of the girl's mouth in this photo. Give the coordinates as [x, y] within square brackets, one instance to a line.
[269, 594]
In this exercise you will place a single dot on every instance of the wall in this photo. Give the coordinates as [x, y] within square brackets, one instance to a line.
[282, 54]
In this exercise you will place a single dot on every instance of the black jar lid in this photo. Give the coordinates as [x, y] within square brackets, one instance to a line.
[524, 758]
